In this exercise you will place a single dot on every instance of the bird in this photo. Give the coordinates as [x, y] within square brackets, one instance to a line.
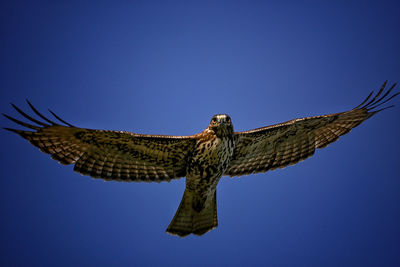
[202, 158]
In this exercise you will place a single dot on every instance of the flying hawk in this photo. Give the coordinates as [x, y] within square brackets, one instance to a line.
[202, 158]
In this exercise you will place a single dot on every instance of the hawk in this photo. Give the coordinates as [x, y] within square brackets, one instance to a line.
[202, 158]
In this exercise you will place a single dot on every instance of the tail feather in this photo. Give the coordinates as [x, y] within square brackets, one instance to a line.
[187, 220]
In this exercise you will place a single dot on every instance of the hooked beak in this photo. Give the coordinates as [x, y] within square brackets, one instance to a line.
[224, 121]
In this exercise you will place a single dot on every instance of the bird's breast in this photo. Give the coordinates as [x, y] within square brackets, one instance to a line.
[209, 161]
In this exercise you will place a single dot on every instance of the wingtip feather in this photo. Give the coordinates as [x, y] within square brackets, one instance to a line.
[19, 132]
[377, 100]
[10, 129]
[39, 114]
[58, 118]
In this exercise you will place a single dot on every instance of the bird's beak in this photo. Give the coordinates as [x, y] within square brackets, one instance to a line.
[224, 122]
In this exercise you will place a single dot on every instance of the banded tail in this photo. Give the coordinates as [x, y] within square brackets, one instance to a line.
[187, 220]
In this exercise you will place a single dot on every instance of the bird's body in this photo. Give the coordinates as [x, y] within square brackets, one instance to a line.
[202, 158]
[209, 161]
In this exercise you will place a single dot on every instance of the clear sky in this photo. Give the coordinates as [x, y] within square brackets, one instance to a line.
[165, 67]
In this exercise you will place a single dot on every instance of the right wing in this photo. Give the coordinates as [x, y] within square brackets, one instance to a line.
[111, 155]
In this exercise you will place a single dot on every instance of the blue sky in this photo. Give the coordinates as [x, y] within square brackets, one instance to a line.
[165, 67]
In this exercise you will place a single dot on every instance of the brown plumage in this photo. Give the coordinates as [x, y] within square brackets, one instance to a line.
[202, 158]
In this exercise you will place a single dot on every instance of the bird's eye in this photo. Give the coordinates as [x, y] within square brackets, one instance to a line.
[214, 120]
[228, 119]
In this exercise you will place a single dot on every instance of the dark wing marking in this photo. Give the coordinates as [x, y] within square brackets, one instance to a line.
[287, 143]
[111, 155]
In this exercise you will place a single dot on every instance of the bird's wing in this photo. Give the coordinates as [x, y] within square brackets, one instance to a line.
[287, 143]
[111, 155]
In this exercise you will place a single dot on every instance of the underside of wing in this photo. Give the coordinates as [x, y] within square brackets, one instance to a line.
[284, 144]
[111, 155]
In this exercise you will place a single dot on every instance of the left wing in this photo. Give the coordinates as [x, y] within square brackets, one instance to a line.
[111, 155]
[280, 145]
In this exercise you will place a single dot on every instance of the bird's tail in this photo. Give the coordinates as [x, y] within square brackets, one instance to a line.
[187, 220]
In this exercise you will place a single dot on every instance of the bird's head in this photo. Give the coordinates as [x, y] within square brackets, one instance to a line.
[221, 124]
